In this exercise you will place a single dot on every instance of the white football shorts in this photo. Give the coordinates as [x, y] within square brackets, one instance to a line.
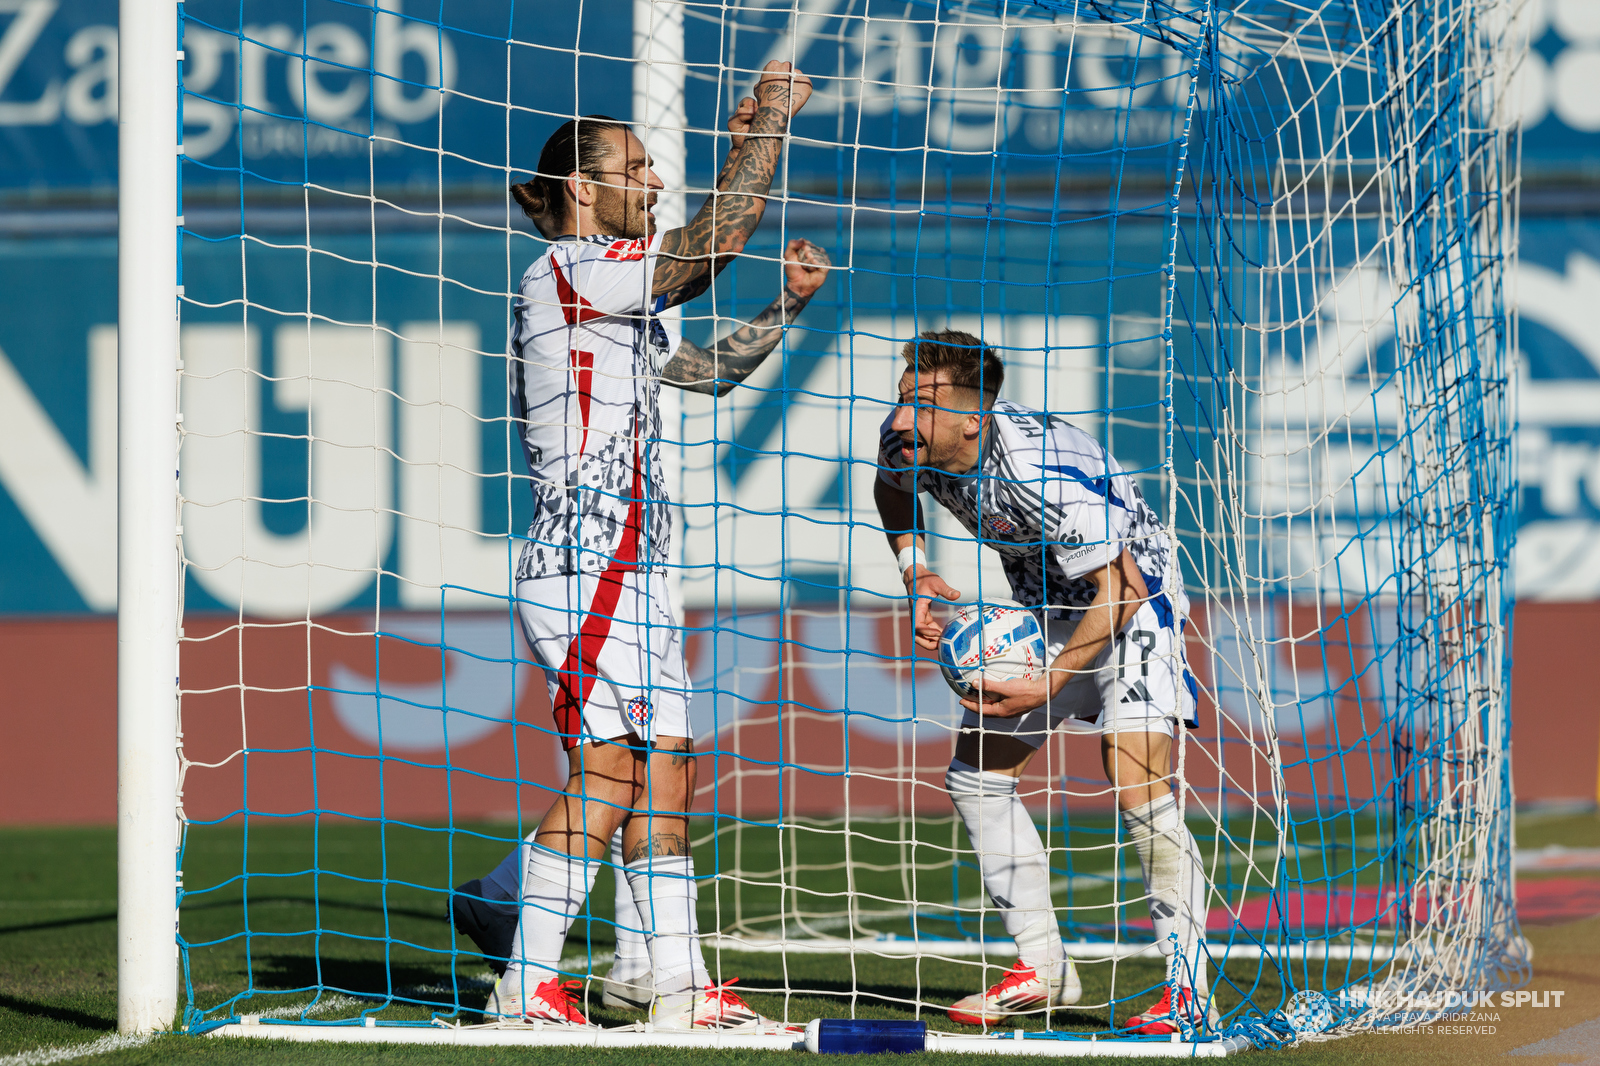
[612, 654]
[1140, 684]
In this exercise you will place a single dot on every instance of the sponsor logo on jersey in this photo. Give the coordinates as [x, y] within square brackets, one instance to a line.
[640, 712]
[999, 526]
[1076, 548]
[627, 251]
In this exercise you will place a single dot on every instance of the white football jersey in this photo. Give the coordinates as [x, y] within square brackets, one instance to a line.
[586, 352]
[1054, 503]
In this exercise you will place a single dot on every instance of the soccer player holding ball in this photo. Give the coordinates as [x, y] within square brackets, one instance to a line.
[1087, 556]
[588, 355]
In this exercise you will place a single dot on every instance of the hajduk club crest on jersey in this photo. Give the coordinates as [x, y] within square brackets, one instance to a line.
[999, 526]
[639, 712]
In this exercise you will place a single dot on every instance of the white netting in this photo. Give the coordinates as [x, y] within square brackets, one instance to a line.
[1255, 248]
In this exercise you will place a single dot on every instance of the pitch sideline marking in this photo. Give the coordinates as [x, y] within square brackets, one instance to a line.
[117, 1042]
[45, 1055]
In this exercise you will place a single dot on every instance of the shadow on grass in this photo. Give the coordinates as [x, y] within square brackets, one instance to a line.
[326, 903]
[60, 923]
[366, 978]
[58, 1014]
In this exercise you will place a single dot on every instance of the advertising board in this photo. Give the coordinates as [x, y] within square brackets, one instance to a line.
[271, 103]
[342, 94]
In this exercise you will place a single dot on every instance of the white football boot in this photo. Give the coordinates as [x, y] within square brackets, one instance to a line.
[549, 1001]
[1163, 1019]
[1023, 990]
[712, 1007]
[622, 991]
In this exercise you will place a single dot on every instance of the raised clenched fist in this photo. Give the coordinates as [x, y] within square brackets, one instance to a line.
[805, 267]
[784, 87]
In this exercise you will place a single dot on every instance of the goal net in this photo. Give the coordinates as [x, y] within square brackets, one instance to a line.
[1256, 248]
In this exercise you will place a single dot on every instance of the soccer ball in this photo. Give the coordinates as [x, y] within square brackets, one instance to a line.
[998, 640]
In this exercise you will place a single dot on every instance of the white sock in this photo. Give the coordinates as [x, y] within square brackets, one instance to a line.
[554, 886]
[1011, 857]
[665, 893]
[632, 958]
[1176, 883]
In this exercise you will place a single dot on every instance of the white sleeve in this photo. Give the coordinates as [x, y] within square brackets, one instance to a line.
[1093, 530]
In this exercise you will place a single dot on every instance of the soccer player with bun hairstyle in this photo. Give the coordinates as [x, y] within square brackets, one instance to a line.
[1083, 551]
[578, 146]
[588, 355]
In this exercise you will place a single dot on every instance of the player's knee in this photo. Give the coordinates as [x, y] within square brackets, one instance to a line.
[995, 752]
[670, 777]
[1136, 766]
[958, 777]
[666, 796]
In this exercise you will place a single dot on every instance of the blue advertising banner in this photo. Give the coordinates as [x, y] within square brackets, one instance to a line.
[381, 94]
[279, 93]
[58, 94]
[402, 93]
[799, 442]
[350, 95]
[784, 444]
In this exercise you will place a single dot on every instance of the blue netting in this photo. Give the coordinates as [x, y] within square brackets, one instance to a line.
[1255, 250]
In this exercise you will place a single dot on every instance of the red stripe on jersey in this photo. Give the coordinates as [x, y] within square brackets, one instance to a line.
[583, 371]
[626, 251]
[573, 306]
[578, 671]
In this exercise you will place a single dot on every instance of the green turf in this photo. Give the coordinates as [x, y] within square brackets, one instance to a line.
[370, 924]
[1540, 829]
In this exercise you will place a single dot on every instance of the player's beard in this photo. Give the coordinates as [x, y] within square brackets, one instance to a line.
[930, 454]
[944, 458]
[624, 213]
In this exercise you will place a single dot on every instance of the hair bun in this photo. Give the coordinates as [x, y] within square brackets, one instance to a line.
[531, 199]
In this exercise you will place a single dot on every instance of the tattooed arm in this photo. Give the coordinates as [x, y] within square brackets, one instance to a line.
[690, 257]
[735, 357]
[738, 127]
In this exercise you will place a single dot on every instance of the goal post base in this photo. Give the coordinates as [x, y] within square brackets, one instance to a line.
[630, 1036]
[639, 1036]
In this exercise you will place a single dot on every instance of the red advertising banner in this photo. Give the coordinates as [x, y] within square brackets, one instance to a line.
[291, 719]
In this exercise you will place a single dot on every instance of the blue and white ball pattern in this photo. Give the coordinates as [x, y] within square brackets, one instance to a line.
[998, 640]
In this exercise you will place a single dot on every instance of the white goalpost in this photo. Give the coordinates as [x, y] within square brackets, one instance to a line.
[148, 575]
[658, 113]
[1256, 250]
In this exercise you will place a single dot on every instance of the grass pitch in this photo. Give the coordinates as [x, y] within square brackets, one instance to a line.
[369, 924]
